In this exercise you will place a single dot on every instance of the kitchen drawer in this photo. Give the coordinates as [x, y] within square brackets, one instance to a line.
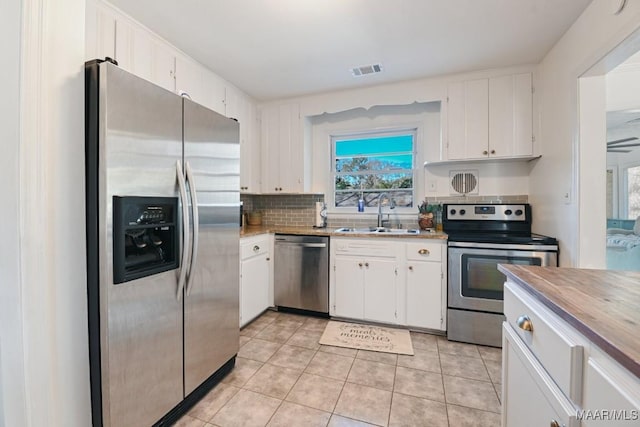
[531, 398]
[253, 247]
[558, 349]
[365, 247]
[424, 251]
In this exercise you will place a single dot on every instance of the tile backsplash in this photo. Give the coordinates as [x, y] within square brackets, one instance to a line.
[289, 210]
[298, 210]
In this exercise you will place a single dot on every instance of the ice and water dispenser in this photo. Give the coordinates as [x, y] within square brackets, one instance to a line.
[145, 236]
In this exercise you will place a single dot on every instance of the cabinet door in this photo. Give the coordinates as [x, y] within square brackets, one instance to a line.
[380, 290]
[530, 397]
[283, 166]
[349, 291]
[609, 387]
[468, 120]
[241, 108]
[424, 295]
[101, 33]
[189, 80]
[255, 287]
[510, 116]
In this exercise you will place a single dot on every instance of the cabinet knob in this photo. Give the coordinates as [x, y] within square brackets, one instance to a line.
[268, 259]
[485, 152]
[280, 188]
[554, 423]
[256, 248]
[411, 268]
[423, 251]
[366, 264]
[276, 189]
[524, 323]
[493, 151]
[359, 264]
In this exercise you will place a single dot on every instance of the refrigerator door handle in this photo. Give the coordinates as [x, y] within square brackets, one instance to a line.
[196, 228]
[185, 229]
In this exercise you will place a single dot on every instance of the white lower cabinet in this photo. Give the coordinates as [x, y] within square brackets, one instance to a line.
[552, 375]
[530, 398]
[256, 276]
[389, 281]
[380, 288]
[349, 296]
[426, 285]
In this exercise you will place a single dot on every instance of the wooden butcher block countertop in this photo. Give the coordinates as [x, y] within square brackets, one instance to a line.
[603, 305]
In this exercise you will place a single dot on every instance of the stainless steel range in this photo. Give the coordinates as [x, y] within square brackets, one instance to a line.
[480, 238]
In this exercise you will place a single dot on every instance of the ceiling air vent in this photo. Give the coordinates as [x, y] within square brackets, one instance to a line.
[366, 69]
[463, 182]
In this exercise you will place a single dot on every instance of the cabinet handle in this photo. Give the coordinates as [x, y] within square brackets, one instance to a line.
[423, 251]
[366, 264]
[280, 188]
[524, 323]
[268, 259]
[359, 264]
[276, 189]
[411, 268]
[554, 423]
[493, 151]
[485, 152]
[256, 248]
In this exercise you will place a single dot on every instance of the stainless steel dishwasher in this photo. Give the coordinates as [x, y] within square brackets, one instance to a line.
[301, 278]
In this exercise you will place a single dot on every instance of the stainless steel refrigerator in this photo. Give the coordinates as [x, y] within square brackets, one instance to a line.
[162, 187]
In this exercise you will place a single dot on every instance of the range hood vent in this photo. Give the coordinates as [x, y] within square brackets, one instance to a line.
[366, 69]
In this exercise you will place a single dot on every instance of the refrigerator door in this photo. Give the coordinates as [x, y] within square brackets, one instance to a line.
[212, 165]
[140, 139]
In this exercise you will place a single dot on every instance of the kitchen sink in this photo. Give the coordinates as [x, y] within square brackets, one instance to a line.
[377, 230]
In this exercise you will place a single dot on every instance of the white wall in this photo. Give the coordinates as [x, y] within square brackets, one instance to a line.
[46, 285]
[12, 387]
[555, 175]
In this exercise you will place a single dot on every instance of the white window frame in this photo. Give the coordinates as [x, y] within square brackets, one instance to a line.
[625, 188]
[372, 133]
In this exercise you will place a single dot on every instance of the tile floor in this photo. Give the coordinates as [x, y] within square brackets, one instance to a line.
[283, 377]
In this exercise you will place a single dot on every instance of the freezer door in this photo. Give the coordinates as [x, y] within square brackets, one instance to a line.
[140, 140]
[212, 164]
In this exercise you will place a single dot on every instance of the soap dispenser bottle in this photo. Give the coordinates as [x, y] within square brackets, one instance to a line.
[361, 203]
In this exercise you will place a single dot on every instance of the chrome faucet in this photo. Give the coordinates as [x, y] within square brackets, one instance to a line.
[393, 205]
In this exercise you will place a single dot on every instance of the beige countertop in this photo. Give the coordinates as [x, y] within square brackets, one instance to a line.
[253, 230]
[603, 305]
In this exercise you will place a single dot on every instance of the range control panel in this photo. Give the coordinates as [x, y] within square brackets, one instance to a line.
[489, 212]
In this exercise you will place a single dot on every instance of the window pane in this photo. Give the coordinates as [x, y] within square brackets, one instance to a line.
[357, 164]
[402, 198]
[376, 145]
[633, 190]
[379, 181]
[366, 165]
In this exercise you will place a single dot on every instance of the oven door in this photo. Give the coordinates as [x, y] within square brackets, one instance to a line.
[474, 280]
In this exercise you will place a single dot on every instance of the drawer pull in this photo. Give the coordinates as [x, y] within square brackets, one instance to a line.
[423, 251]
[256, 248]
[524, 323]
[554, 423]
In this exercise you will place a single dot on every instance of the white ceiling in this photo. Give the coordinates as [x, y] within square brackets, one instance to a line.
[282, 48]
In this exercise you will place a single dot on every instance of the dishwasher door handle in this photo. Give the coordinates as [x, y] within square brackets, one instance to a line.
[301, 245]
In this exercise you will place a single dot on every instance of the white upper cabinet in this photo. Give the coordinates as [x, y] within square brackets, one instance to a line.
[510, 116]
[241, 108]
[490, 118]
[468, 119]
[282, 148]
[138, 52]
